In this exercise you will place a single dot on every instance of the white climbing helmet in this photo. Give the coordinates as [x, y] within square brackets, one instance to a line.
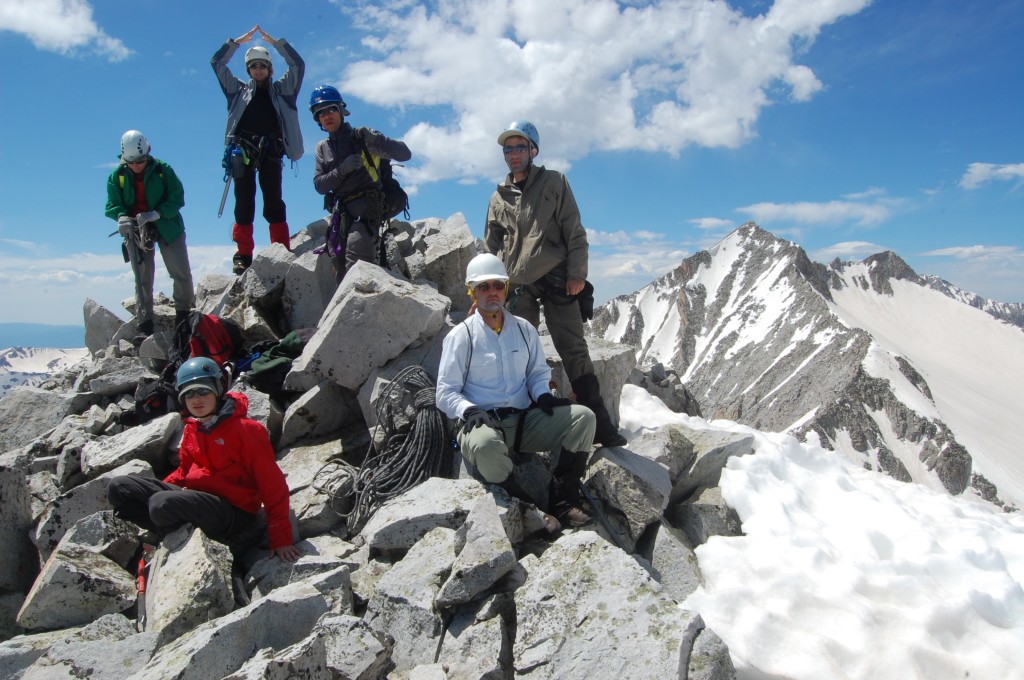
[134, 146]
[485, 267]
[257, 54]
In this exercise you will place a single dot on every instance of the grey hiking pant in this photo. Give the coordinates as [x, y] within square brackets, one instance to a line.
[570, 428]
[361, 245]
[175, 256]
[565, 325]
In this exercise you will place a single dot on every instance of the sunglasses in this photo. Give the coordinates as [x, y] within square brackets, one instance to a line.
[137, 162]
[490, 285]
[199, 392]
[327, 109]
[258, 65]
[517, 148]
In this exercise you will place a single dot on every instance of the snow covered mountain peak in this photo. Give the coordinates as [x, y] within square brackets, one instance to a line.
[761, 335]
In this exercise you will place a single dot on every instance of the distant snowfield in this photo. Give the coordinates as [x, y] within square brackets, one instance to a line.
[973, 364]
[846, 573]
[18, 365]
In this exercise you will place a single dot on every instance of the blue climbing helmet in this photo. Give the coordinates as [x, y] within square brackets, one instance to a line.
[521, 128]
[200, 371]
[326, 95]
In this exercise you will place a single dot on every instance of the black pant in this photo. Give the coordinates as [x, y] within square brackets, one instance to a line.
[269, 172]
[162, 507]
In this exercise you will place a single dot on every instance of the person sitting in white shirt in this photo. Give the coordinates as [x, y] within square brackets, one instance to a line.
[494, 379]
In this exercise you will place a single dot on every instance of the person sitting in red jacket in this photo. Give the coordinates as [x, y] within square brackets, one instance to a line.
[227, 470]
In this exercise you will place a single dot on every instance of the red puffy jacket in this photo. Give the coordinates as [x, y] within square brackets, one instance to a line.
[233, 459]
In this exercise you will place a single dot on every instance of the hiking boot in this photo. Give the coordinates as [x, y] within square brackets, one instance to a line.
[608, 435]
[588, 393]
[143, 331]
[241, 263]
[574, 517]
[551, 525]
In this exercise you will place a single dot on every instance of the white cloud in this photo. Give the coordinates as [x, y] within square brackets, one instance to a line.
[713, 224]
[982, 173]
[621, 263]
[847, 250]
[40, 287]
[596, 237]
[866, 209]
[994, 272]
[591, 74]
[62, 26]
[978, 253]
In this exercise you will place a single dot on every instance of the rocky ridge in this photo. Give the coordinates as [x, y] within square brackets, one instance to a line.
[450, 579]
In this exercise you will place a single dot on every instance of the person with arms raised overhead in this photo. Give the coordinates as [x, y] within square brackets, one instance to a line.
[494, 381]
[534, 226]
[226, 471]
[263, 122]
[349, 169]
[145, 197]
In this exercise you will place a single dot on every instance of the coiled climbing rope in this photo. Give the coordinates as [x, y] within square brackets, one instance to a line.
[406, 459]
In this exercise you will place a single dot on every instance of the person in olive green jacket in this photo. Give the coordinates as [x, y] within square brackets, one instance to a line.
[145, 198]
[534, 226]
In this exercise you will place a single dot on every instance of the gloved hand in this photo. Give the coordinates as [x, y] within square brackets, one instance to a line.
[124, 226]
[476, 416]
[371, 138]
[351, 164]
[147, 217]
[547, 403]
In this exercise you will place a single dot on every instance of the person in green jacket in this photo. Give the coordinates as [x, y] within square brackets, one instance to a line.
[145, 198]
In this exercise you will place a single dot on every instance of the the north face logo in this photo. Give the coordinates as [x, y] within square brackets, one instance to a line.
[218, 441]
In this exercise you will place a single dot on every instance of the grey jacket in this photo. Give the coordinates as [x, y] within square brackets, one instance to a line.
[339, 146]
[283, 94]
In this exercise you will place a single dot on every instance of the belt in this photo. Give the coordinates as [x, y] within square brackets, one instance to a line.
[506, 411]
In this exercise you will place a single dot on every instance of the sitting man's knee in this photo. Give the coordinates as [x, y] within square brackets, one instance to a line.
[495, 469]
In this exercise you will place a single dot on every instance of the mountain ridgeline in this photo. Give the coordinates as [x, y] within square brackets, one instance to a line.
[754, 332]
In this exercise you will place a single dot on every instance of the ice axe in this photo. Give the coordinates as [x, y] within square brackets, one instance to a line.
[140, 584]
[234, 166]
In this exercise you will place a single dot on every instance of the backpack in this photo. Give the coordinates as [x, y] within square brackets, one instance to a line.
[396, 201]
[395, 198]
[213, 337]
[152, 400]
[270, 362]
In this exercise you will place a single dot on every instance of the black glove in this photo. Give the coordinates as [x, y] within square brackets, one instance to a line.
[476, 416]
[371, 137]
[547, 403]
[351, 164]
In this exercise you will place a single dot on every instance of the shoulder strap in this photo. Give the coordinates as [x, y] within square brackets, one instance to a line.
[469, 334]
[370, 162]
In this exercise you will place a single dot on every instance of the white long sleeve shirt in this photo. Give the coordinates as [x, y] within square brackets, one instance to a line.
[491, 370]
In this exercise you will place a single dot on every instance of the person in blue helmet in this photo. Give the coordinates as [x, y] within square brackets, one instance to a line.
[226, 472]
[263, 120]
[534, 226]
[350, 178]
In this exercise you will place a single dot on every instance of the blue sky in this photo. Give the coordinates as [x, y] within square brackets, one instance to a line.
[847, 126]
